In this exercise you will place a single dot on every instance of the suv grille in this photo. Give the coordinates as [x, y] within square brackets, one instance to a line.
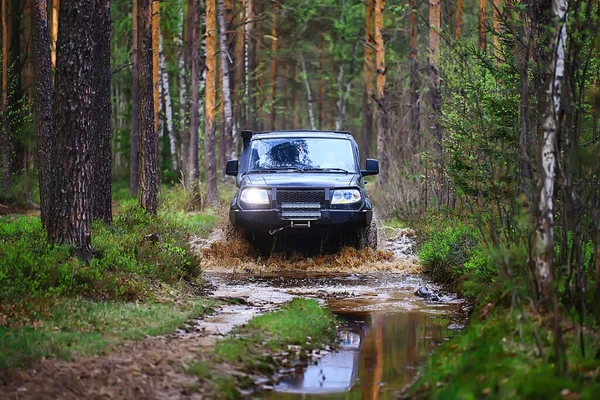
[300, 204]
[301, 196]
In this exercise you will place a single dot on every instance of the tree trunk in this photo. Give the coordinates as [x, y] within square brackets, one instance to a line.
[54, 31]
[240, 68]
[482, 21]
[228, 122]
[134, 139]
[166, 92]
[274, 44]
[102, 150]
[367, 103]
[210, 98]
[435, 96]
[544, 235]
[40, 50]
[4, 111]
[382, 117]
[460, 22]
[156, 66]
[321, 92]
[251, 112]
[311, 112]
[184, 136]
[230, 24]
[415, 106]
[148, 155]
[69, 219]
[194, 42]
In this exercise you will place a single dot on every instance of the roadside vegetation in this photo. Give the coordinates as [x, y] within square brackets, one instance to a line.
[143, 279]
[507, 349]
[268, 342]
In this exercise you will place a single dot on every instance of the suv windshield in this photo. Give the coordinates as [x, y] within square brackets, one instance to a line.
[302, 154]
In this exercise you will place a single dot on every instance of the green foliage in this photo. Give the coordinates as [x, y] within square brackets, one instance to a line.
[136, 250]
[445, 253]
[80, 327]
[488, 360]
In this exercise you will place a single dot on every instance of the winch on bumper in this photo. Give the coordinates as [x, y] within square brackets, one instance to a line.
[302, 211]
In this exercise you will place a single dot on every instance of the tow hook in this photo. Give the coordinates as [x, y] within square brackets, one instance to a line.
[274, 231]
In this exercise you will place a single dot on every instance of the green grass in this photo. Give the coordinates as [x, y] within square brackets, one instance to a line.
[498, 359]
[251, 348]
[80, 327]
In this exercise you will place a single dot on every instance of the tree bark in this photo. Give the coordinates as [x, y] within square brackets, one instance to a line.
[4, 111]
[54, 31]
[415, 106]
[497, 26]
[211, 77]
[367, 103]
[69, 219]
[184, 135]
[240, 68]
[311, 112]
[194, 41]
[228, 122]
[274, 45]
[251, 51]
[168, 106]
[148, 155]
[482, 21]
[102, 139]
[134, 139]
[544, 235]
[156, 66]
[435, 96]
[460, 22]
[40, 42]
[382, 117]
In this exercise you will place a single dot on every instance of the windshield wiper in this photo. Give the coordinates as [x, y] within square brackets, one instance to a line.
[268, 170]
[326, 170]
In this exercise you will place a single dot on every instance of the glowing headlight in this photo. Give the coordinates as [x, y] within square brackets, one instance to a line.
[347, 196]
[255, 196]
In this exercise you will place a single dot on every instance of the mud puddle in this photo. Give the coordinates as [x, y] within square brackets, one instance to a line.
[386, 333]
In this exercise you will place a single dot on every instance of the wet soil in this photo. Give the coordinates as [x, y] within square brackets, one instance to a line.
[385, 332]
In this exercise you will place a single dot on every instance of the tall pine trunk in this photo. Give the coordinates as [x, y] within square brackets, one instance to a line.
[382, 117]
[240, 68]
[102, 153]
[251, 71]
[168, 106]
[460, 22]
[415, 106]
[367, 102]
[435, 99]
[156, 66]
[274, 44]
[134, 139]
[482, 21]
[210, 102]
[69, 219]
[229, 128]
[148, 155]
[194, 42]
[42, 95]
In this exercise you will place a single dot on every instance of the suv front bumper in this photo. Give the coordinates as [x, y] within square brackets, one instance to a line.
[330, 221]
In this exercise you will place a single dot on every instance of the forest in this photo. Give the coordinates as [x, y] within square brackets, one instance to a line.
[118, 117]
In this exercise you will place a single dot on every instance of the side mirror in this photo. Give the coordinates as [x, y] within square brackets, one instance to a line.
[231, 168]
[372, 167]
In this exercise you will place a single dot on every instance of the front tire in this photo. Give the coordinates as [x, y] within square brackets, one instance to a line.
[366, 237]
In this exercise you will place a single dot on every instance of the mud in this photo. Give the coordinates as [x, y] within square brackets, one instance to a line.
[235, 255]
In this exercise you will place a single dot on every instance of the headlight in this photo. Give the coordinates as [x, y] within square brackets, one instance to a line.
[255, 196]
[347, 196]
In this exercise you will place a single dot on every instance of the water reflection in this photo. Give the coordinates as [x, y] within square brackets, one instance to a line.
[379, 355]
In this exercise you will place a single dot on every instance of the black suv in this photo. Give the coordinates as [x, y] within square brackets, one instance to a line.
[303, 182]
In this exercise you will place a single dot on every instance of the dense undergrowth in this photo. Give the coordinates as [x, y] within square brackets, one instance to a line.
[507, 349]
[143, 280]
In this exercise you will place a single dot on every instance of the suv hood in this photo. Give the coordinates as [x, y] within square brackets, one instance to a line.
[301, 179]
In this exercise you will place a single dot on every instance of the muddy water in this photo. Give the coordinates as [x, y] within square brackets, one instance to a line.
[385, 335]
